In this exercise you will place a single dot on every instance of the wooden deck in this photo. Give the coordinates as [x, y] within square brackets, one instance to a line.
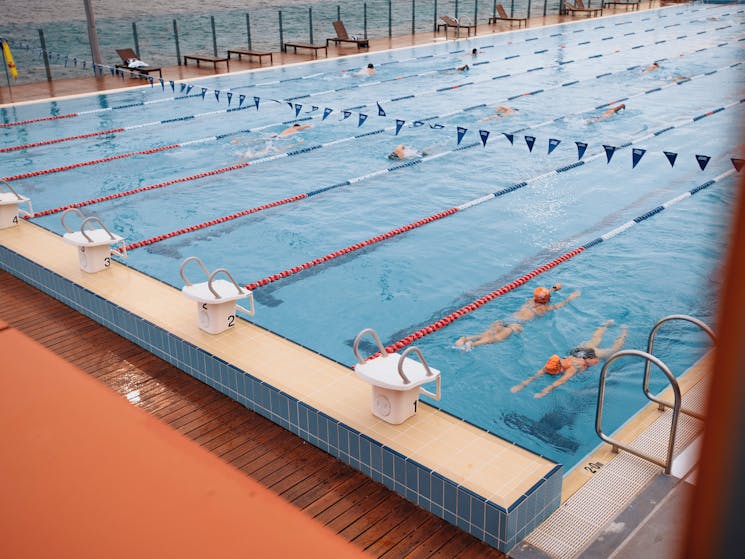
[354, 506]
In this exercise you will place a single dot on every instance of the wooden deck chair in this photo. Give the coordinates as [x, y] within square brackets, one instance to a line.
[127, 55]
[579, 7]
[343, 37]
[502, 16]
[448, 22]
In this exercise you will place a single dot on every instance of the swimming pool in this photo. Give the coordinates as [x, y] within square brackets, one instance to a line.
[403, 284]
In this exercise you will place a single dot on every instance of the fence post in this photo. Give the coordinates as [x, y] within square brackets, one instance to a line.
[545, 7]
[178, 48]
[494, 9]
[364, 19]
[413, 16]
[390, 20]
[476, 15]
[281, 37]
[528, 14]
[456, 9]
[137, 42]
[214, 35]
[434, 18]
[512, 8]
[46, 56]
[310, 24]
[338, 12]
[248, 29]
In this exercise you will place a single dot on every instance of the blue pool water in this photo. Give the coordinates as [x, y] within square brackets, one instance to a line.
[666, 264]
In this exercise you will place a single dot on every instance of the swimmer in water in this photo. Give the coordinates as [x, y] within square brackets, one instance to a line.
[402, 152]
[651, 68]
[369, 70]
[609, 113]
[497, 332]
[582, 357]
[292, 130]
[500, 112]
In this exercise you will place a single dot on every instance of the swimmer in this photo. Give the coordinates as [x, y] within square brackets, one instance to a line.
[610, 112]
[500, 112]
[539, 304]
[292, 130]
[651, 68]
[497, 332]
[368, 71]
[463, 68]
[402, 152]
[582, 357]
[474, 53]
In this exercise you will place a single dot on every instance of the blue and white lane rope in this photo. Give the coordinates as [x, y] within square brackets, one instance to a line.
[453, 316]
[407, 164]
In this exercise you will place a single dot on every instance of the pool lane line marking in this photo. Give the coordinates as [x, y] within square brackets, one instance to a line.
[297, 197]
[449, 53]
[423, 221]
[481, 301]
[475, 81]
[69, 167]
[437, 216]
[93, 111]
[113, 131]
[211, 113]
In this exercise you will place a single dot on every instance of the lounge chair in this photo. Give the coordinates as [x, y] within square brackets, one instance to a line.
[457, 24]
[502, 16]
[579, 7]
[343, 37]
[633, 4]
[129, 57]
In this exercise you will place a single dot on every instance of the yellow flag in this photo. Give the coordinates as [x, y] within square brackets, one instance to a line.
[9, 60]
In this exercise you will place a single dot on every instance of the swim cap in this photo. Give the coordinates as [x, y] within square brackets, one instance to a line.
[553, 365]
[583, 353]
[541, 295]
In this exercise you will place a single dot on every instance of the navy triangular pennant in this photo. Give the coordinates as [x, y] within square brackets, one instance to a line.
[326, 113]
[381, 112]
[437, 126]
[417, 123]
[461, 132]
[74, 60]
[204, 92]
[162, 84]
[510, 137]
[83, 64]
[229, 95]
[241, 99]
[182, 86]
[151, 80]
[636, 156]
[609, 151]
[346, 114]
[530, 140]
[217, 94]
[671, 157]
[173, 85]
[581, 148]
[484, 136]
[112, 71]
[298, 108]
[703, 161]
[289, 104]
[256, 102]
[361, 120]
[189, 88]
[399, 124]
[313, 108]
[738, 163]
[552, 143]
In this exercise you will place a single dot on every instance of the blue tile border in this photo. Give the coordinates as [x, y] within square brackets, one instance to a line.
[499, 527]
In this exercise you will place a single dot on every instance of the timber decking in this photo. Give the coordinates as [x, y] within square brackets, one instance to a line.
[354, 506]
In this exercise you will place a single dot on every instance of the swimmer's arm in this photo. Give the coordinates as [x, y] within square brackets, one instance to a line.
[569, 373]
[565, 301]
[526, 382]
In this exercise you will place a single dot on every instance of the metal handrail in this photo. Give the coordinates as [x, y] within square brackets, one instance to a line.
[667, 464]
[66, 213]
[374, 334]
[436, 395]
[650, 347]
[90, 219]
[10, 190]
[192, 259]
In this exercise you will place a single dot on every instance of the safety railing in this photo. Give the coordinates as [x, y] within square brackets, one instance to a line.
[650, 349]
[666, 464]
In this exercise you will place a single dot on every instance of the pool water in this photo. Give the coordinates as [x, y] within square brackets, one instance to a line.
[666, 264]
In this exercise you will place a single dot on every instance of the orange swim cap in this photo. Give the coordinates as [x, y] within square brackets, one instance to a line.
[553, 365]
[541, 295]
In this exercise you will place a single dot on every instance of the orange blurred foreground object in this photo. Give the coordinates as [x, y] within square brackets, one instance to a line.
[85, 474]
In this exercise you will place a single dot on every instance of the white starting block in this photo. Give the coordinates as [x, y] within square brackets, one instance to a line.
[94, 245]
[9, 202]
[216, 299]
[395, 393]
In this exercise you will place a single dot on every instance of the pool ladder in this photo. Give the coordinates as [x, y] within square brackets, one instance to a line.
[676, 405]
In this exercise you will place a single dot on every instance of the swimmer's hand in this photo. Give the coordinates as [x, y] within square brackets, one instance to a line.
[573, 295]
[556, 287]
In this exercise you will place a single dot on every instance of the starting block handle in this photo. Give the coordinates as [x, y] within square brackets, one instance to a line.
[192, 259]
[230, 277]
[356, 345]
[66, 213]
[435, 395]
[90, 219]
[250, 311]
